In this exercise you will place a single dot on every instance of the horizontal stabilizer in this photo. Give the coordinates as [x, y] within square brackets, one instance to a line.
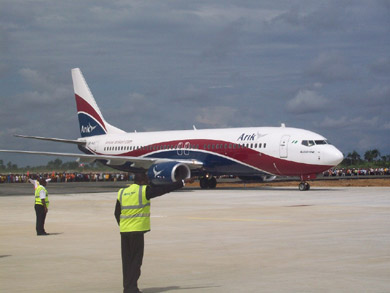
[72, 141]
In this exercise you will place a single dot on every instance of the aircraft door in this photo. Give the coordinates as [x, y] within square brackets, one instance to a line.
[283, 147]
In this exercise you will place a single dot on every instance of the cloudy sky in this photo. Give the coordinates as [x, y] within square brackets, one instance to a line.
[161, 65]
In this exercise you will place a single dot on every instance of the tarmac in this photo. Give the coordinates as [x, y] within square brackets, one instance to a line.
[265, 239]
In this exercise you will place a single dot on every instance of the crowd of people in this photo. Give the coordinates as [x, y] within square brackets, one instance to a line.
[356, 172]
[65, 177]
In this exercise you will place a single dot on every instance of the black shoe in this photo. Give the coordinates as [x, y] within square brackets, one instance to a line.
[43, 234]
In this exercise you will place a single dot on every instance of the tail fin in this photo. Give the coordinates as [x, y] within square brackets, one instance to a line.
[91, 119]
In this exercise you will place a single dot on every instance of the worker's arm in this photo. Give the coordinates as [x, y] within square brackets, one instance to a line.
[34, 182]
[117, 212]
[158, 190]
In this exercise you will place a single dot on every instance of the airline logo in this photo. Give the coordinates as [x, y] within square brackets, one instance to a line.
[250, 137]
[89, 126]
[156, 173]
[87, 129]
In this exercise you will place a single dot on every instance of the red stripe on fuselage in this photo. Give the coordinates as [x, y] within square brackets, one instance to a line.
[84, 106]
[245, 155]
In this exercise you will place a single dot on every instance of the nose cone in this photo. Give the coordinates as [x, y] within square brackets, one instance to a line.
[334, 156]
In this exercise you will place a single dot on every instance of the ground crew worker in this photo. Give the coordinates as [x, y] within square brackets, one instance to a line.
[41, 206]
[132, 212]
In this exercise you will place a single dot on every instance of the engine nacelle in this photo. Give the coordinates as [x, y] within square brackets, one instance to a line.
[168, 172]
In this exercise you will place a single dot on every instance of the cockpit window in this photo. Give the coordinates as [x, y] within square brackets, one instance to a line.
[310, 143]
[321, 142]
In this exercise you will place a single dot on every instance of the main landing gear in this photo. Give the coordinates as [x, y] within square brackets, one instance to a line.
[208, 182]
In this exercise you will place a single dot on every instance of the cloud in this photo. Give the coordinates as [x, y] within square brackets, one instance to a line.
[381, 67]
[330, 67]
[344, 122]
[216, 116]
[306, 102]
[162, 65]
[379, 96]
[224, 43]
[44, 89]
[319, 19]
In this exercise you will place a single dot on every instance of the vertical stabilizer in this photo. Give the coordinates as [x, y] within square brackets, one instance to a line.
[91, 119]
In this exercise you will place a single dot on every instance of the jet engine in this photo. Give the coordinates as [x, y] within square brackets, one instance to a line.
[168, 172]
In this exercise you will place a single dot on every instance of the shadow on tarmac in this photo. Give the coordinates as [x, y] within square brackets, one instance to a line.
[6, 255]
[171, 288]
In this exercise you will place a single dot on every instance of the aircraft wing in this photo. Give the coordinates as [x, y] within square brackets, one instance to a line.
[136, 162]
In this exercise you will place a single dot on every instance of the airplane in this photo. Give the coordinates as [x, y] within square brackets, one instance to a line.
[250, 153]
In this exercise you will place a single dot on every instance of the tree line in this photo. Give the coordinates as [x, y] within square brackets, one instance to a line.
[371, 158]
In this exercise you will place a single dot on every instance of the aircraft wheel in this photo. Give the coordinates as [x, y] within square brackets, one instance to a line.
[206, 183]
[212, 182]
[203, 183]
[304, 186]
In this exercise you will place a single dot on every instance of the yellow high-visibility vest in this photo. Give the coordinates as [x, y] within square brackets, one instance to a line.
[135, 209]
[37, 197]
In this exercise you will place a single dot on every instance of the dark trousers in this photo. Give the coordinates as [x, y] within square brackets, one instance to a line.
[41, 216]
[132, 246]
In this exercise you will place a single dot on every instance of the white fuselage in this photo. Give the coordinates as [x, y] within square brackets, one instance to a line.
[236, 151]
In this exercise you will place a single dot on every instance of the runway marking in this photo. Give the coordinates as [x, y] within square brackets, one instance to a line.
[237, 220]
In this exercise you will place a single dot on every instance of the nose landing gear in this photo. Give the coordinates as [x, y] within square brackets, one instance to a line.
[304, 186]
